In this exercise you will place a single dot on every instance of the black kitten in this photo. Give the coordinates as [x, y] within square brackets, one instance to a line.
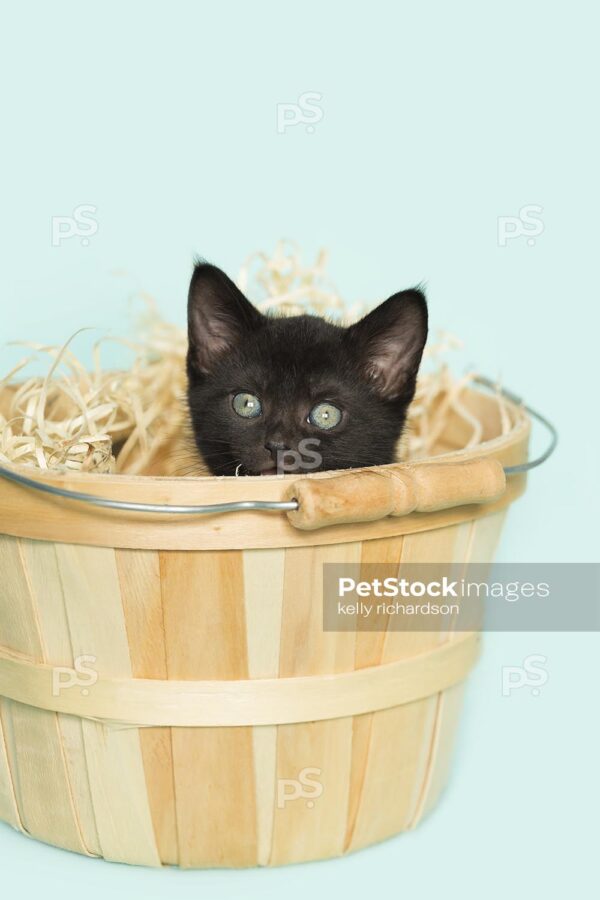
[271, 394]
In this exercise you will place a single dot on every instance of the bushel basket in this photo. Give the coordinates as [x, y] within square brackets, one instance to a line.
[168, 694]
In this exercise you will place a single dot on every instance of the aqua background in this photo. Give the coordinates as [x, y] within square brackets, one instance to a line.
[437, 119]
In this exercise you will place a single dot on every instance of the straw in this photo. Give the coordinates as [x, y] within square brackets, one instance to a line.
[105, 421]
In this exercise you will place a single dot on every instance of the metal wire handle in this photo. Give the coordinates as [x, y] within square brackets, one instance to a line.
[277, 505]
[518, 401]
[128, 506]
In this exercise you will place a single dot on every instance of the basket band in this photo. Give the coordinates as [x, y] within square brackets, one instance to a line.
[139, 703]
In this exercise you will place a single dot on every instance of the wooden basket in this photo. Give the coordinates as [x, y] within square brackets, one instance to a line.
[167, 692]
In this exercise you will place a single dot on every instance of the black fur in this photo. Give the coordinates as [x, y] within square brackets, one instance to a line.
[368, 371]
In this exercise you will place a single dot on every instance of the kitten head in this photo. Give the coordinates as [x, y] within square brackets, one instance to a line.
[273, 394]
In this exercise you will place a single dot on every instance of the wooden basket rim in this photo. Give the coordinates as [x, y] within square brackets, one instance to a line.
[29, 514]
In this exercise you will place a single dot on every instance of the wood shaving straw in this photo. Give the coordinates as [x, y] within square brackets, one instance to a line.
[107, 421]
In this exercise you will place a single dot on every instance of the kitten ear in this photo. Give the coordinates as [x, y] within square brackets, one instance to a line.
[218, 317]
[389, 343]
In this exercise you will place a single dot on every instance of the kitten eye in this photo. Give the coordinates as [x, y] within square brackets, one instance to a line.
[247, 405]
[325, 416]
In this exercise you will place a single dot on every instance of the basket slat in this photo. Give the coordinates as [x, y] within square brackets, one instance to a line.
[450, 547]
[388, 803]
[8, 802]
[90, 582]
[39, 775]
[301, 828]
[263, 602]
[42, 571]
[483, 540]
[449, 709]
[368, 652]
[139, 576]
[206, 638]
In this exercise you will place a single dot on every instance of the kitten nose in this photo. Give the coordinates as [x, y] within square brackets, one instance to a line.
[274, 448]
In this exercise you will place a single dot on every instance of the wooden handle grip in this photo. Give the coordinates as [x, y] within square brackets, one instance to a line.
[395, 491]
